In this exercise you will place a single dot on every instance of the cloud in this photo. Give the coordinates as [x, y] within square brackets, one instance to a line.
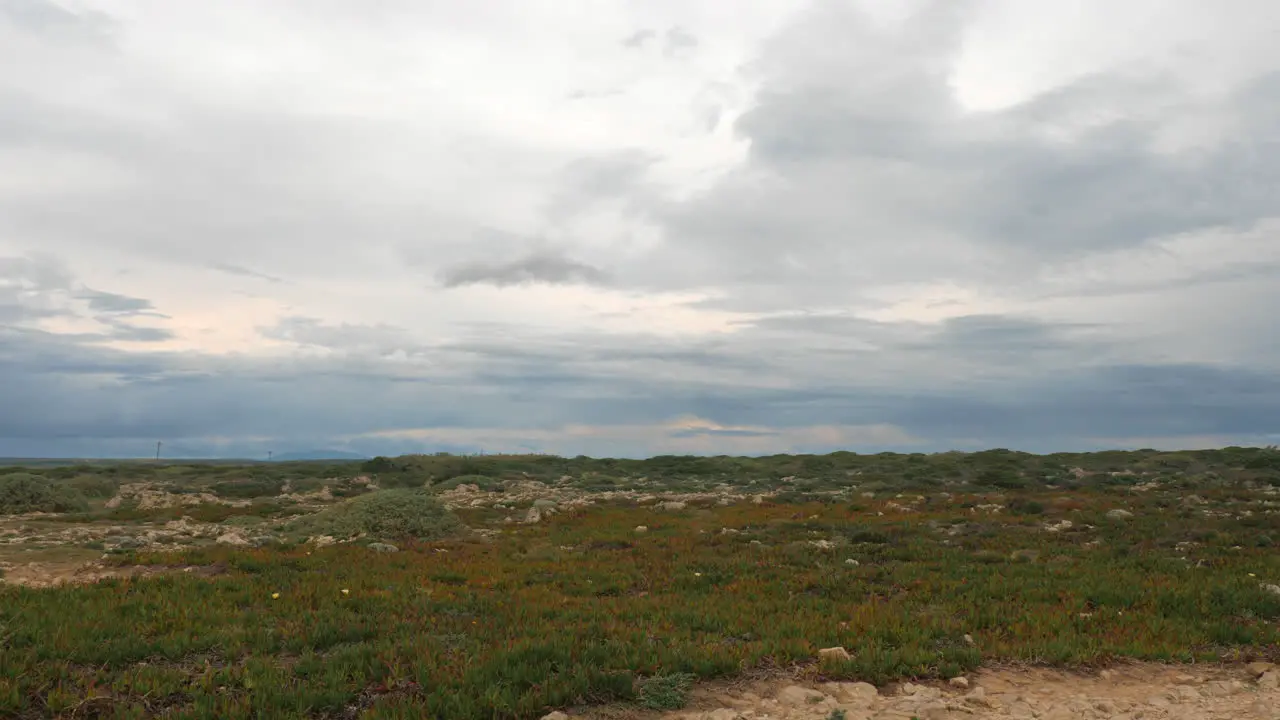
[844, 224]
[313, 332]
[115, 304]
[546, 267]
[678, 40]
[232, 269]
[639, 38]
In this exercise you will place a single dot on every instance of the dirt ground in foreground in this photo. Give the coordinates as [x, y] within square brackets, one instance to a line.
[1132, 691]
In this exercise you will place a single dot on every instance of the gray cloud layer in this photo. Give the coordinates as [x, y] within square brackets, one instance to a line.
[541, 267]
[1114, 240]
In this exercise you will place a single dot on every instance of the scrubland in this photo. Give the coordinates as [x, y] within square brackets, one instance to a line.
[512, 586]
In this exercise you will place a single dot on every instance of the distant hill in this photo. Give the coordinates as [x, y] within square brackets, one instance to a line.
[318, 455]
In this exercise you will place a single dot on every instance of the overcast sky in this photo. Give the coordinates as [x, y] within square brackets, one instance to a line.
[626, 227]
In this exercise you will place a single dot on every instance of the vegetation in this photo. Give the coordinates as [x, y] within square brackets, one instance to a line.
[23, 492]
[922, 566]
[387, 515]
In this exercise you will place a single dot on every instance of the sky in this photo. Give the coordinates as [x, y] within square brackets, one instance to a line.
[626, 228]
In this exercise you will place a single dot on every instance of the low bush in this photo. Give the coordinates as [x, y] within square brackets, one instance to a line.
[386, 514]
[484, 482]
[248, 488]
[25, 492]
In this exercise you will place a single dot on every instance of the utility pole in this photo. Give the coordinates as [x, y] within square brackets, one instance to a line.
[158, 451]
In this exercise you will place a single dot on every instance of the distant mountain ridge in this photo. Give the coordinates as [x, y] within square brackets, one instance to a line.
[318, 455]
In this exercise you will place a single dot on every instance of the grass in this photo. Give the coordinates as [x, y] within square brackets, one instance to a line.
[582, 609]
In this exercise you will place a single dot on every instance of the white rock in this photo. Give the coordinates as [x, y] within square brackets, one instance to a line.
[557, 715]
[959, 682]
[641, 529]
[1119, 514]
[232, 538]
[834, 653]
[797, 696]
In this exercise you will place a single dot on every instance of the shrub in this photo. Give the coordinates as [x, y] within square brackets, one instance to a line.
[93, 486]
[386, 514]
[1022, 506]
[666, 692]
[484, 482]
[24, 492]
[248, 488]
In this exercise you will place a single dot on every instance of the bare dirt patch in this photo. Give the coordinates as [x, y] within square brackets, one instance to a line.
[54, 572]
[1132, 691]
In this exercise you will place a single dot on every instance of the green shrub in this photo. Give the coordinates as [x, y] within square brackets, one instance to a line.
[484, 482]
[25, 492]
[386, 514]
[1022, 506]
[93, 486]
[666, 692]
[248, 488]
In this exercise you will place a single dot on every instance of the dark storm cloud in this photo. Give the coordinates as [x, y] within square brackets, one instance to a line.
[73, 390]
[545, 268]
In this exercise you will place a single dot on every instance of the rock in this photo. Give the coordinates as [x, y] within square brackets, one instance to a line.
[322, 540]
[834, 653]
[232, 538]
[1257, 668]
[383, 547]
[1273, 589]
[852, 563]
[1224, 688]
[1269, 680]
[1264, 711]
[1119, 514]
[961, 682]
[823, 544]
[933, 711]
[545, 504]
[978, 697]
[860, 695]
[797, 696]
[557, 715]
[641, 529]
[533, 516]
[674, 505]
[968, 640]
